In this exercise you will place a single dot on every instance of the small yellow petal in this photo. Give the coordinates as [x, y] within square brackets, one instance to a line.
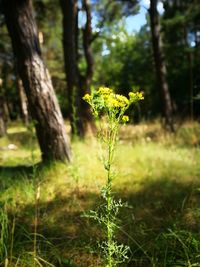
[104, 91]
[125, 118]
[87, 97]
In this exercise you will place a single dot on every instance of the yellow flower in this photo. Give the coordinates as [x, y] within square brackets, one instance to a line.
[140, 96]
[125, 118]
[122, 100]
[87, 97]
[111, 102]
[104, 90]
[135, 96]
[115, 101]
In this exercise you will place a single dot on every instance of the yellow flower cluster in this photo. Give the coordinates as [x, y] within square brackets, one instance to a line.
[112, 100]
[135, 96]
[105, 98]
[87, 97]
[122, 99]
[125, 118]
[104, 91]
[116, 101]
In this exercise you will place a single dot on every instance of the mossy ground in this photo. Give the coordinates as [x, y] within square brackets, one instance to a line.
[157, 173]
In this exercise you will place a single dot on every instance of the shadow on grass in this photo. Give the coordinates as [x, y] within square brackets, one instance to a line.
[24, 171]
[25, 138]
[21, 171]
[159, 206]
[16, 171]
[163, 199]
[62, 223]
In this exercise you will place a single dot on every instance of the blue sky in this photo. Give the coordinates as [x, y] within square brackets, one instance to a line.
[134, 23]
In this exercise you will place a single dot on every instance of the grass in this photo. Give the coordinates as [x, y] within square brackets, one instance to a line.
[158, 174]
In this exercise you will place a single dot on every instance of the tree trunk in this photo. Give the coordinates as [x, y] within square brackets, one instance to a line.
[36, 80]
[23, 102]
[161, 71]
[70, 13]
[2, 111]
[2, 118]
[87, 41]
[4, 87]
[196, 39]
[87, 79]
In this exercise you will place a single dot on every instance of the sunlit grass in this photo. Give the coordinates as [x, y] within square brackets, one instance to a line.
[157, 173]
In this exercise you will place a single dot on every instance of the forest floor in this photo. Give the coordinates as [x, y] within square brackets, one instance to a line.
[42, 207]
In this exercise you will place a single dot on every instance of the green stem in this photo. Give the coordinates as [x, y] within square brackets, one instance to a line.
[111, 147]
[109, 187]
[35, 238]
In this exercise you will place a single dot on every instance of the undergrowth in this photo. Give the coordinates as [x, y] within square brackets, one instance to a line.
[158, 176]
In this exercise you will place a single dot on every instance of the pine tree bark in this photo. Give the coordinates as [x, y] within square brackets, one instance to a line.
[70, 43]
[23, 102]
[160, 66]
[36, 80]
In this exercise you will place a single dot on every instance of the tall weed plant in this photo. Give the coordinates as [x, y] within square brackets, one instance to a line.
[106, 104]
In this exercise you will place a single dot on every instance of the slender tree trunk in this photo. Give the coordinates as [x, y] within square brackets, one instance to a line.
[190, 58]
[3, 114]
[87, 79]
[2, 118]
[189, 55]
[87, 41]
[196, 38]
[161, 71]
[36, 80]
[23, 102]
[70, 44]
[2, 126]
[4, 87]
[6, 110]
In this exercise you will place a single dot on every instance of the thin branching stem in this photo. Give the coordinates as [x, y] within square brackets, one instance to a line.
[113, 106]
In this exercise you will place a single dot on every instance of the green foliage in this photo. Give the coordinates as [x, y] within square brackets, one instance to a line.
[181, 248]
[110, 12]
[126, 67]
[181, 24]
[126, 60]
[49, 21]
